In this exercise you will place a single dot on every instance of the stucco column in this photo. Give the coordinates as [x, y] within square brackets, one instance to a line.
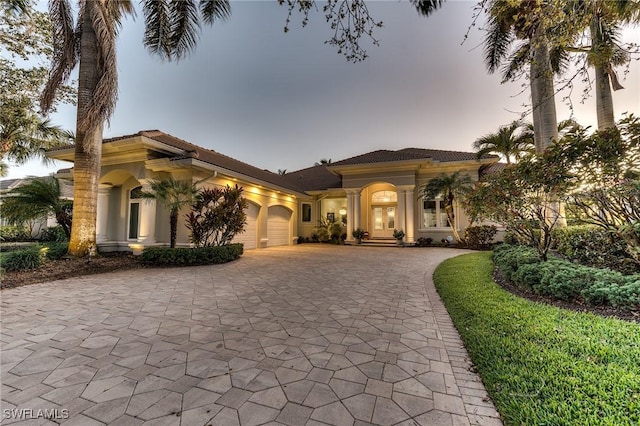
[400, 222]
[147, 232]
[356, 210]
[350, 214]
[411, 219]
[102, 221]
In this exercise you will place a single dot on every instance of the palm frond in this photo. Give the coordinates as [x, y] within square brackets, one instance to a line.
[427, 7]
[213, 10]
[65, 52]
[496, 43]
[516, 62]
[157, 34]
[185, 27]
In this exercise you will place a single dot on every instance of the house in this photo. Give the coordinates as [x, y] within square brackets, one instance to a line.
[376, 191]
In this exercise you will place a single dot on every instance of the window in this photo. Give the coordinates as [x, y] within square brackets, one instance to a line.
[134, 212]
[306, 212]
[434, 214]
[384, 197]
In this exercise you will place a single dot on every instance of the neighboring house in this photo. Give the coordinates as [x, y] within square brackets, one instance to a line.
[38, 225]
[377, 191]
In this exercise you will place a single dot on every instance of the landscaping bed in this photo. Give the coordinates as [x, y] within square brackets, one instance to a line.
[542, 364]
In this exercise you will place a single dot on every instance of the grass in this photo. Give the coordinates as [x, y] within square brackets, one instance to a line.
[542, 365]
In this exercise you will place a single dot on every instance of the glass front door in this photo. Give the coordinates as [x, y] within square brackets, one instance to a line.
[384, 222]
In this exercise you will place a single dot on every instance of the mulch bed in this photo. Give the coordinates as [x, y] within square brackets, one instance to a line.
[604, 311]
[69, 268]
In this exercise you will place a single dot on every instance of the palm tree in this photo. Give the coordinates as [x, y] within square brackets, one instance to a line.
[323, 162]
[37, 199]
[171, 32]
[174, 194]
[506, 142]
[450, 188]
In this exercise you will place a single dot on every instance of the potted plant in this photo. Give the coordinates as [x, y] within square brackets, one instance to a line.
[358, 234]
[398, 234]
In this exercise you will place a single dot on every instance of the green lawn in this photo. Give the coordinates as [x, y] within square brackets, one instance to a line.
[542, 365]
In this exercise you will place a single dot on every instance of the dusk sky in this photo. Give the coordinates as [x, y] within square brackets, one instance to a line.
[285, 101]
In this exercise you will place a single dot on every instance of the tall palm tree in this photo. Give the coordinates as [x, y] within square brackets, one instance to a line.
[450, 188]
[38, 198]
[506, 142]
[174, 194]
[90, 42]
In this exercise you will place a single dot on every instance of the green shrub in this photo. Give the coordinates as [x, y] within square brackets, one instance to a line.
[593, 246]
[31, 257]
[562, 280]
[56, 251]
[480, 237]
[192, 256]
[54, 234]
[424, 242]
[508, 258]
[14, 233]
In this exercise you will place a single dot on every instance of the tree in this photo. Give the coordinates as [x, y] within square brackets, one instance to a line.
[90, 43]
[505, 142]
[25, 36]
[450, 188]
[37, 199]
[282, 172]
[217, 216]
[173, 194]
[323, 162]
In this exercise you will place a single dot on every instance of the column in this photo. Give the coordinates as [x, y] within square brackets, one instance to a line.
[400, 222]
[102, 221]
[147, 232]
[356, 210]
[350, 214]
[411, 219]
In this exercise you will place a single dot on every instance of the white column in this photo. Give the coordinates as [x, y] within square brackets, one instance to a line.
[350, 215]
[147, 232]
[102, 221]
[400, 222]
[411, 220]
[356, 211]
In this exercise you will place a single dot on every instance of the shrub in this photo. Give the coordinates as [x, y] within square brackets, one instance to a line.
[593, 246]
[54, 233]
[31, 257]
[56, 251]
[14, 233]
[192, 256]
[424, 242]
[480, 237]
[508, 258]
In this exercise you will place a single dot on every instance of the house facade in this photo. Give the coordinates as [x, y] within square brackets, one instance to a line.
[377, 191]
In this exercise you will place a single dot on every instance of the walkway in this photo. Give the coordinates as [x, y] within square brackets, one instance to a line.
[304, 335]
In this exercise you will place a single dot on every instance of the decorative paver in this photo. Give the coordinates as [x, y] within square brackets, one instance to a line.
[304, 335]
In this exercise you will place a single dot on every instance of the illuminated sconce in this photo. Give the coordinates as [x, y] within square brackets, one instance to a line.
[342, 212]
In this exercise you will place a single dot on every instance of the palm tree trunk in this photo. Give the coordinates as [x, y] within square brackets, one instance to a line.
[88, 152]
[545, 121]
[173, 221]
[452, 222]
[604, 99]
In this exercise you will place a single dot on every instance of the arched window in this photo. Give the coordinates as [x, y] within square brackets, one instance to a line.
[384, 197]
[134, 212]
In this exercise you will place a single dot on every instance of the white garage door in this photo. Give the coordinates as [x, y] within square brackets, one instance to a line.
[250, 235]
[278, 226]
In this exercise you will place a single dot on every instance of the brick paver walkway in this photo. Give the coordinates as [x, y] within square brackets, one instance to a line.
[305, 335]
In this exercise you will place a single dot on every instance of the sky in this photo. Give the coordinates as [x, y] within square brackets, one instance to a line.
[281, 100]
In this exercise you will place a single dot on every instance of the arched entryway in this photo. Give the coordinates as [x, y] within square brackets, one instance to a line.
[384, 206]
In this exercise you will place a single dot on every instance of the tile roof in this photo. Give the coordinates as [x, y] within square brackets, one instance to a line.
[66, 187]
[407, 154]
[489, 169]
[316, 178]
[8, 183]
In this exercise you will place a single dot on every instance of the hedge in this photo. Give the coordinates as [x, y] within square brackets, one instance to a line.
[192, 256]
[567, 281]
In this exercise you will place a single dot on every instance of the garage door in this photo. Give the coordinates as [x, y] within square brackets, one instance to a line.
[250, 235]
[278, 226]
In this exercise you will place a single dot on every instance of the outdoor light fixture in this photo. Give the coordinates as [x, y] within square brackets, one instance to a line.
[342, 212]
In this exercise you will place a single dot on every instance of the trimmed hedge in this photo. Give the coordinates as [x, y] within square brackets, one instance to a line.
[480, 237]
[564, 280]
[593, 246]
[192, 256]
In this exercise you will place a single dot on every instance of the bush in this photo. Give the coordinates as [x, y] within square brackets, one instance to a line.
[192, 256]
[480, 237]
[54, 234]
[14, 233]
[424, 242]
[564, 280]
[56, 251]
[593, 246]
[21, 260]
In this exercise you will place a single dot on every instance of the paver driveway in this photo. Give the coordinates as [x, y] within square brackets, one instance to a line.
[296, 335]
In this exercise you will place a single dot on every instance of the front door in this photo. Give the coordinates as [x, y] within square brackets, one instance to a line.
[384, 222]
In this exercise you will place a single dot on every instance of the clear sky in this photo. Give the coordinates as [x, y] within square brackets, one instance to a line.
[285, 101]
